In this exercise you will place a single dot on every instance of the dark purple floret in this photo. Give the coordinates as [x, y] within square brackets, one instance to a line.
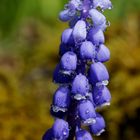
[48, 135]
[73, 21]
[60, 78]
[58, 114]
[64, 48]
[81, 68]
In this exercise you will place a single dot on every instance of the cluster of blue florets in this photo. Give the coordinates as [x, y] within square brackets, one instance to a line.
[81, 74]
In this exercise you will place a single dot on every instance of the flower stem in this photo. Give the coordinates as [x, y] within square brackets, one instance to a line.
[72, 119]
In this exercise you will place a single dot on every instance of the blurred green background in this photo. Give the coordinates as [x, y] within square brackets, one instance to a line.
[29, 41]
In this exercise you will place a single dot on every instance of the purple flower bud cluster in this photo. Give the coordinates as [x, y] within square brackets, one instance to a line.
[81, 74]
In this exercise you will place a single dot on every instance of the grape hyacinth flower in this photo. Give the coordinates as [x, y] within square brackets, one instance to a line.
[61, 99]
[81, 75]
[86, 112]
[98, 127]
[80, 87]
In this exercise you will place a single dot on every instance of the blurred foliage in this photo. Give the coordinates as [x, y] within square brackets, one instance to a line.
[13, 12]
[29, 41]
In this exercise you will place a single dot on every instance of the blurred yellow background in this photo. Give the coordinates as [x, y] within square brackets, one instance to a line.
[29, 41]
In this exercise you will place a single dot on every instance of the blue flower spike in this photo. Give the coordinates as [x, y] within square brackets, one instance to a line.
[81, 76]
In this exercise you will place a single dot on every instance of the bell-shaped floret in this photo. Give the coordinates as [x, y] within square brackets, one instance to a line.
[86, 112]
[61, 78]
[97, 17]
[104, 4]
[69, 61]
[98, 74]
[79, 31]
[101, 96]
[96, 36]
[60, 129]
[98, 127]
[65, 15]
[80, 87]
[103, 54]
[67, 37]
[61, 99]
[87, 50]
[83, 135]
